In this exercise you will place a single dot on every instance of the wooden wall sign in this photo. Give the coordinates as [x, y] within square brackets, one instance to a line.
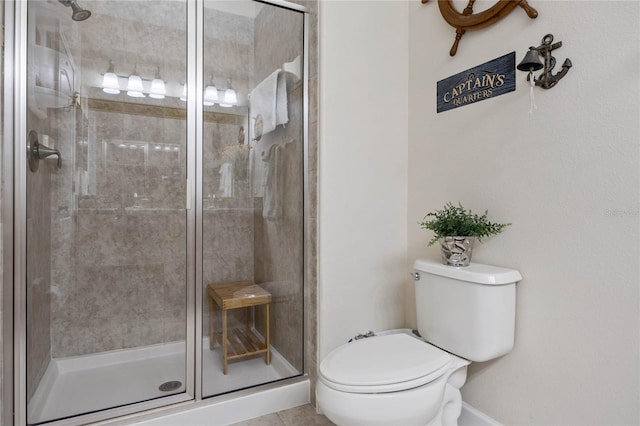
[491, 79]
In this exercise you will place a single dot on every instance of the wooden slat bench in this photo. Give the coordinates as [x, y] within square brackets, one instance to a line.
[239, 342]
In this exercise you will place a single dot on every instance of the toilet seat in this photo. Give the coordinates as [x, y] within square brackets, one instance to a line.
[388, 363]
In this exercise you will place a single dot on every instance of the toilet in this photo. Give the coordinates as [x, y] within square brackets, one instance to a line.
[397, 378]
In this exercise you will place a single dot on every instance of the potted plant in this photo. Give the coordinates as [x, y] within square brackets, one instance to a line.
[456, 229]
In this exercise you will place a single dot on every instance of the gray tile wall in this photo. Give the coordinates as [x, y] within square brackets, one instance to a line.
[120, 260]
[279, 241]
[118, 253]
[39, 224]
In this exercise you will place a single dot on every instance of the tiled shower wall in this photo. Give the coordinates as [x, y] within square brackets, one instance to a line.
[120, 268]
[38, 267]
[279, 240]
[123, 255]
[119, 241]
[227, 222]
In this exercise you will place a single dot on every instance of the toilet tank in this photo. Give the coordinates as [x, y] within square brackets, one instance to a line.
[468, 311]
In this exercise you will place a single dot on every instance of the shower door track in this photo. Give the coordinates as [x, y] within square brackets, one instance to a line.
[14, 208]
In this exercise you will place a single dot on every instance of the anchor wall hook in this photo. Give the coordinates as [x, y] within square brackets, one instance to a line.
[531, 63]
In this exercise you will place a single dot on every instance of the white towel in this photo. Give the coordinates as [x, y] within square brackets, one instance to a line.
[269, 104]
[282, 115]
[226, 179]
[271, 205]
[263, 103]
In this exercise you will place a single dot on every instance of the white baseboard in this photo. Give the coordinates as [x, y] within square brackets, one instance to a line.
[473, 417]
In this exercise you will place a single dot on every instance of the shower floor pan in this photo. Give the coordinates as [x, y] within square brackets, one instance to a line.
[82, 384]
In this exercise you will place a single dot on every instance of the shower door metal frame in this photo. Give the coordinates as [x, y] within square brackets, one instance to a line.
[19, 168]
[14, 209]
[195, 89]
[8, 352]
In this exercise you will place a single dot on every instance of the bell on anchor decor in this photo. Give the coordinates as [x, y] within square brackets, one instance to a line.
[531, 61]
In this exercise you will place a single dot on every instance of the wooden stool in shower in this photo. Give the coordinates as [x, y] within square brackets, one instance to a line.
[239, 342]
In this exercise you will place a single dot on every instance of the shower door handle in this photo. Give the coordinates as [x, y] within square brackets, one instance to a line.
[36, 151]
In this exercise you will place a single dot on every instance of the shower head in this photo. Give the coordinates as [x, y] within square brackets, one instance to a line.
[79, 14]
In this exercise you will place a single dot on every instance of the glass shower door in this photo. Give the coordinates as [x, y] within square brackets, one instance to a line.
[252, 195]
[106, 205]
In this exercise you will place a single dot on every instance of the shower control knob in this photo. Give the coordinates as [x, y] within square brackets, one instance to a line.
[36, 152]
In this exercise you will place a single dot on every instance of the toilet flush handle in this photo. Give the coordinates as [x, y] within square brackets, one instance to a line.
[415, 276]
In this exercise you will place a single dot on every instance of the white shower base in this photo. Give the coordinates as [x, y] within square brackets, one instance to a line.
[87, 383]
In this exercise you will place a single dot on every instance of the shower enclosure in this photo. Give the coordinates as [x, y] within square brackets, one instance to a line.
[160, 157]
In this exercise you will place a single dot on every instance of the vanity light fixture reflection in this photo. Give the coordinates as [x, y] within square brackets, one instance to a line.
[158, 90]
[210, 93]
[110, 83]
[134, 87]
[183, 97]
[230, 97]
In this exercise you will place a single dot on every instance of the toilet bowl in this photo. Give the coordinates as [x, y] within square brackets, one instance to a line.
[392, 379]
[399, 379]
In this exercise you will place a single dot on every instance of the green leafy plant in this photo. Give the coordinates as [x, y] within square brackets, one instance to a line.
[456, 221]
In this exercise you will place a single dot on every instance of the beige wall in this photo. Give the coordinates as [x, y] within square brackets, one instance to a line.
[362, 168]
[567, 177]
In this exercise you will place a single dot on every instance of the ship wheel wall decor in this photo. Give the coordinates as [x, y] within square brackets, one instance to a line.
[468, 21]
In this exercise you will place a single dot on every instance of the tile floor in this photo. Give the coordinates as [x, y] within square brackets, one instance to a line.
[305, 415]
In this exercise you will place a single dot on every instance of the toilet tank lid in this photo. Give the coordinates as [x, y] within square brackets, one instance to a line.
[475, 272]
